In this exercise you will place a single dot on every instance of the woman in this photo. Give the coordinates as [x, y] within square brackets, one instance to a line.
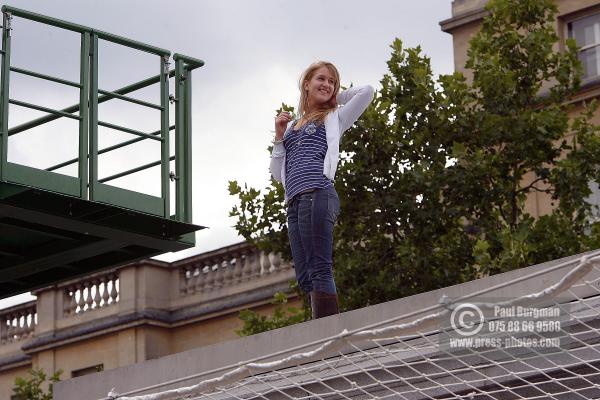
[304, 159]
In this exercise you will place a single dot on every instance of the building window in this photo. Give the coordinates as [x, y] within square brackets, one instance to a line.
[88, 370]
[586, 32]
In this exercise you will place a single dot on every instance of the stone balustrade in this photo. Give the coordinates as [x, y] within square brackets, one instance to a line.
[227, 267]
[18, 322]
[91, 294]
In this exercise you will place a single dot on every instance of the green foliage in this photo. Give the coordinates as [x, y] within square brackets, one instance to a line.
[434, 176]
[261, 219]
[32, 388]
[256, 323]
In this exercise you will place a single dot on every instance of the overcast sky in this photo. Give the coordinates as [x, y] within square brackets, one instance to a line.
[255, 51]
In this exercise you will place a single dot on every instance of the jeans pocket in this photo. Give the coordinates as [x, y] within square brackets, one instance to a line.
[333, 207]
[292, 215]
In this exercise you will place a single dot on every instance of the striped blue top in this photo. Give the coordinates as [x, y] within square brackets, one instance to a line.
[305, 155]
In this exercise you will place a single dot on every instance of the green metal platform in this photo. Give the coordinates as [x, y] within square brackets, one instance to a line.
[55, 227]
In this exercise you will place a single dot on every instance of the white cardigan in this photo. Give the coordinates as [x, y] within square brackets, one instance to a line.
[353, 102]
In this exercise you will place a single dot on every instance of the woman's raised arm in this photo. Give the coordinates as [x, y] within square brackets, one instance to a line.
[354, 101]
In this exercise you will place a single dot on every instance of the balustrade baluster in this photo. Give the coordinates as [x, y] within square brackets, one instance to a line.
[113, 290]
[11, 328]
[247, 267]
[237, 269]
[227, 272]
[72, 300]
[210, 279]
[275, 261]
[105, 295]
[219, 275]
[15, 332]
[33, 318]
[89, 300]
[264, 263]
[29, 323]
[200, 281]
[97, 298]
[80, 300]
[196, 278]
[18, 325]
[24, 327]
[66, 302]
[255, 265]
[184, 280]
[25, 324]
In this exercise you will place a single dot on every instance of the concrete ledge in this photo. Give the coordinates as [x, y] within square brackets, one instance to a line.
[14, 361]
[216, 359]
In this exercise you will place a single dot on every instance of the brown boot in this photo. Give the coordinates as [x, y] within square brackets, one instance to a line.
[323, 304]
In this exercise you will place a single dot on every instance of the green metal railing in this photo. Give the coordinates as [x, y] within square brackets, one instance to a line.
[87, 185]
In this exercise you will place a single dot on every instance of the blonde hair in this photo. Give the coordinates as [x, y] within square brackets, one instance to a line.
[317, 115]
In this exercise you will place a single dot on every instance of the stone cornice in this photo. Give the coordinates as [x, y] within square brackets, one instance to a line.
[450, 24]
[14, 361]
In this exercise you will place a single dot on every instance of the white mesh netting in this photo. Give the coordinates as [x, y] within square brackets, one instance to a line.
[484, 353]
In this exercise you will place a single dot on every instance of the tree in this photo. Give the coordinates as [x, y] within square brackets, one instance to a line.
[433, 178]
[256, 323]
[31, 388]
[521, 141]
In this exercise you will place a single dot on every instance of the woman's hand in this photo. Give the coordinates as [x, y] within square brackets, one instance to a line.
[281, 122]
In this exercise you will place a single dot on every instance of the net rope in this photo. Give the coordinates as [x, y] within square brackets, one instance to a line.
[420, 359]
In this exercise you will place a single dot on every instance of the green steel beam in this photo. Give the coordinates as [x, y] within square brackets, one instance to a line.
[84, 80]
[192, 63]
[74, 108]
[93, 117]
[138, 139]
[180, 171]
[46, 77]
[127, 130]
[34, 177]
[188, 150]
[44, 19]
[4, 95]
[44, 109]
[66, 223]
[82, 29]
[129, 99]
[133, 170]
[164, 127]
[132, 43]
[183, 109]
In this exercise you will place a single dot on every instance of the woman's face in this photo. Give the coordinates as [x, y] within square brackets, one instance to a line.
[320, 87]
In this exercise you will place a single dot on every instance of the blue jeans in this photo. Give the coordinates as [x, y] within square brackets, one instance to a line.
[311, 217]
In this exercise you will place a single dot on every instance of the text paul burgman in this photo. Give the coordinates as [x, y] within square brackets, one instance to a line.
[520, 311]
